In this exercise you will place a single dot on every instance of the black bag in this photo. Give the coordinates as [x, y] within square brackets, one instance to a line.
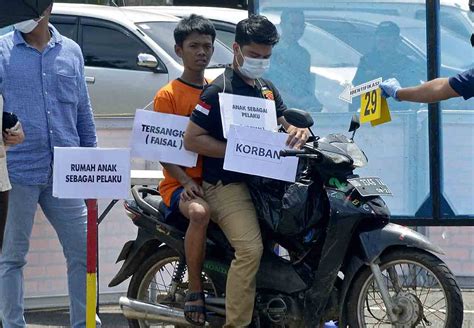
[288, 209]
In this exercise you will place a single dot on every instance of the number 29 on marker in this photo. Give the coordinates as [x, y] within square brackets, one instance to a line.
[370, 107]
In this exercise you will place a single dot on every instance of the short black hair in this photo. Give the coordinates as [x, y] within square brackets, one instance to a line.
[257, 29]
[193, 23]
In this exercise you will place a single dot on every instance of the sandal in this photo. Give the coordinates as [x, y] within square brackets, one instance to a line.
[189, 309]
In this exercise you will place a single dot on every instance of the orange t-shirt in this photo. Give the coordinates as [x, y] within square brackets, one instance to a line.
[179, 98]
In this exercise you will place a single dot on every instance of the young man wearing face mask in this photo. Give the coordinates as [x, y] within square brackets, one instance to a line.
[226, 192]
[42, 82]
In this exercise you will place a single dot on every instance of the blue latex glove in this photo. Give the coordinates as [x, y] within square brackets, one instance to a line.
[389, 88]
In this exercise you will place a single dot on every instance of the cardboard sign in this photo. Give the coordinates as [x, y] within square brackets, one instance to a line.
[91, 173]
[159, 137]
[257, 152]
[351, 91]
[374, 108]
[384, 115]
[247, 111]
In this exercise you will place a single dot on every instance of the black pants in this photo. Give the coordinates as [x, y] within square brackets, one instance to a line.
[3, 214]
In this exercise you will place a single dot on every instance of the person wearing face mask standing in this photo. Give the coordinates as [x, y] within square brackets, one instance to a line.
[226, 192]
[42, 82]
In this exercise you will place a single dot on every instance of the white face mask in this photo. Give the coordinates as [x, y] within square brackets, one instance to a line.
[253, 68]
[27, 26]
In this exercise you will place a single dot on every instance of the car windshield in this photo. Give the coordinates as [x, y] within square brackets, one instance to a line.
[359, 34]
[319, 43]
[162, 34]
[452, 47]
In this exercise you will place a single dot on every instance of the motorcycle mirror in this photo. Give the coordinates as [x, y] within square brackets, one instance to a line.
[355, 124]
[298, 118]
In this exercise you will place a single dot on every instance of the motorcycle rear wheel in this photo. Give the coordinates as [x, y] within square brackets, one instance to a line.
[427, 293]
[152, 283]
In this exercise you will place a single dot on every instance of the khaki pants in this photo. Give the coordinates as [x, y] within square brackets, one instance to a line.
[232, 209]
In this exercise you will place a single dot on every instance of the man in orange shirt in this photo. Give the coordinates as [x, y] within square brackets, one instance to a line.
[181, 188]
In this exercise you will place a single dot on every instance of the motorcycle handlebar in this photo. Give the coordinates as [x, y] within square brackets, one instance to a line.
[292, 152]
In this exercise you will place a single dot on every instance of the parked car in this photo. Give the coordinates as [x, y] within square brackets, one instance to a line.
[336, 52]
[224, 19]
[357, 30]
[454, 14]
[129, 54]
[328, 75]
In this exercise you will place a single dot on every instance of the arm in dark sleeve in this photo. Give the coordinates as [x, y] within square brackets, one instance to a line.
[279, 104]
[204, 132]
[463, 83]
[207, 114]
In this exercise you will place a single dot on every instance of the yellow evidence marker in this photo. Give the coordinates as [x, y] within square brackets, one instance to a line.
[374, 108]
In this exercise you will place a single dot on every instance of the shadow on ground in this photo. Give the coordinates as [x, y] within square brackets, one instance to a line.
[109, 315]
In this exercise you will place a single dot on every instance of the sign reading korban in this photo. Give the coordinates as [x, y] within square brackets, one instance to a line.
[257, 152]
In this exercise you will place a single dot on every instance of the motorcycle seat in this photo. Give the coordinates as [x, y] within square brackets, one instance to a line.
[157, 203]
[179, 222]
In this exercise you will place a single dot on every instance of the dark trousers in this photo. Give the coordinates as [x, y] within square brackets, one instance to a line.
[3, 215]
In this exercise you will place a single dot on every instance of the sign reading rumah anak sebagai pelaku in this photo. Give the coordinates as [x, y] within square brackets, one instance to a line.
[91, 172]
[257, 152]
[160, 137]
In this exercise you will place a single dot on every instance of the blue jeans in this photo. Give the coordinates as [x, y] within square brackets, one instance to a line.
[69, 219]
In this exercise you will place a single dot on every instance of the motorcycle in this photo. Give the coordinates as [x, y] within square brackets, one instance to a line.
[353, 267]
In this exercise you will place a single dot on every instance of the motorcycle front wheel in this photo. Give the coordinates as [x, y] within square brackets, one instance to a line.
[152, 283]
[420, 285]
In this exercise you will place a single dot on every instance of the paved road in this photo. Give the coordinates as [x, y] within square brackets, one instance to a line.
[111, 317]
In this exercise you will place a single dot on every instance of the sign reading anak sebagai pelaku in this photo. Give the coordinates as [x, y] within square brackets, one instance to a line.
[257, 152]
[91, 172]
[160, 137]
[246, 111]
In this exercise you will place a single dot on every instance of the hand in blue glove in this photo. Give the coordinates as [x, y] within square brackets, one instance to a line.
[389, 88]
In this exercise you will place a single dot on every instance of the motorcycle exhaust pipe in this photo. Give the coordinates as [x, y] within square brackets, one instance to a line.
[133, 309]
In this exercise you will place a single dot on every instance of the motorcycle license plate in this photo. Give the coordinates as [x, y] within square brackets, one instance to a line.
[370, 186]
